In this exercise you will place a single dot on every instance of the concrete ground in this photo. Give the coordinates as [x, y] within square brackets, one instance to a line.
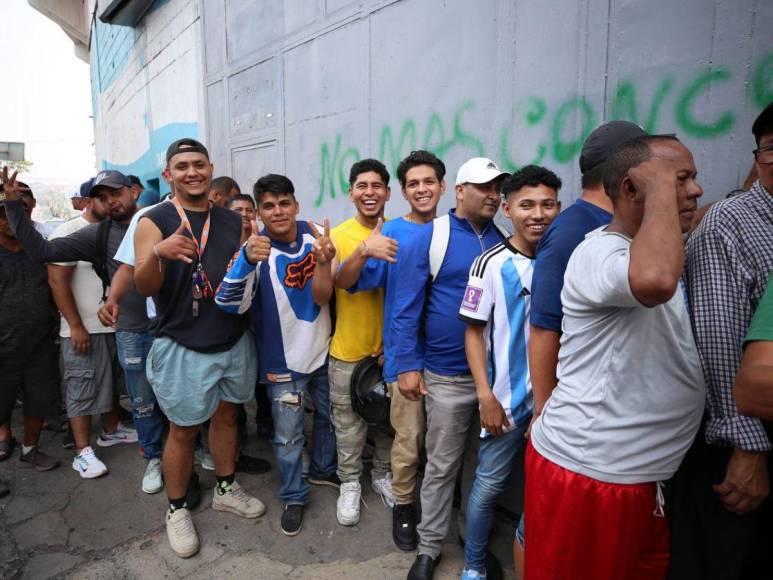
[57, 525]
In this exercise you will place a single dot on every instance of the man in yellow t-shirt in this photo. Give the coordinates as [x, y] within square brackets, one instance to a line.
[359, 326]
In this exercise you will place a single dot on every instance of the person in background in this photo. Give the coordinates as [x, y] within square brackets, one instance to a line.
[222, 190]
[244, 205]
[145, 197]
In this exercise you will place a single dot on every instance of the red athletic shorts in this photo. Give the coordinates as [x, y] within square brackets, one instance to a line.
[578, 527]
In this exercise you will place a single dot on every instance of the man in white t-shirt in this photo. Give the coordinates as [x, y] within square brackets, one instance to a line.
[91, 371]
[630, 395]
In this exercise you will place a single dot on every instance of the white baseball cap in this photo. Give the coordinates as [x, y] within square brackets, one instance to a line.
[478, 170]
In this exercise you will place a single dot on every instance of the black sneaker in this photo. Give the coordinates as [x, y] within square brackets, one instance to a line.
[292, 519]
[423, 567]
[404, 526]
[330, 480]
[193, 493]
[252, 465]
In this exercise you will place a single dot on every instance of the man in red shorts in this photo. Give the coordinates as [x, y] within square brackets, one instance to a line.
[630, 394]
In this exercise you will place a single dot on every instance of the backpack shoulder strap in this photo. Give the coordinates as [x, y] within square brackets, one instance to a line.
[441, 232]
[100, 264]
[502, 231]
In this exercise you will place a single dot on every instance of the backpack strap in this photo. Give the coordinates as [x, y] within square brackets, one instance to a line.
[441, 232]
[502, 231]
[100, 264]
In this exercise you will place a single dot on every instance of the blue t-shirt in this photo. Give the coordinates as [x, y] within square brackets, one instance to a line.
[553, 252]
[381, 274]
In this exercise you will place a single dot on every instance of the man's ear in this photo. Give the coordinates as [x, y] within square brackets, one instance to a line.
[167, 175]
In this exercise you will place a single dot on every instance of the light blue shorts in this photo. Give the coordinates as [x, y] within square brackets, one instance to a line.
[189, 385]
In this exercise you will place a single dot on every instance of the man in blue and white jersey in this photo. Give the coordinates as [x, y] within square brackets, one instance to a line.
[292, 334]
[496, 309]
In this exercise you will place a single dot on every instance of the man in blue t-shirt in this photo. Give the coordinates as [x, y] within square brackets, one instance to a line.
[421, 177]
[292, 335]
[592, 210]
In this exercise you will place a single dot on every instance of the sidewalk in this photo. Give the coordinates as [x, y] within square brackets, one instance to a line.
[57, 524]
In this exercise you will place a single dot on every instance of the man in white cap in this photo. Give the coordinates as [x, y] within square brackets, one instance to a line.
[429, 340]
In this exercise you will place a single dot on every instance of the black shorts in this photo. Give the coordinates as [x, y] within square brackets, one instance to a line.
[37, 377]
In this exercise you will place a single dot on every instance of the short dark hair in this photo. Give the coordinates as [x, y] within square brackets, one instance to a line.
[529, 176]
[224, 184]
[135, 181]
[366, 165]
[273, 183]
[241, 197]
[763, 124]
[594, 177]
[628, 155]
[420, 157]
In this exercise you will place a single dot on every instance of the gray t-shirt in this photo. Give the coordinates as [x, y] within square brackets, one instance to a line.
[81, 245]
[630, 392]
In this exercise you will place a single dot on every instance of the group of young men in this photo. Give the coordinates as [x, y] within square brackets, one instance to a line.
[591, 340]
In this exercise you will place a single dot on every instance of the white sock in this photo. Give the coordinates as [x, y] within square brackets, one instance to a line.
[25, 449]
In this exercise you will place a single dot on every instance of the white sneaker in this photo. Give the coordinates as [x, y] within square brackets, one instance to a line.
[122, 434]
[383, 487]
[153, 480]
[182, 535]
[348, 505]
[237, 501]
[202, 457]
[88, 465]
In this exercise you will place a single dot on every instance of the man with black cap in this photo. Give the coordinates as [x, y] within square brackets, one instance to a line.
[202, 363]
[97, 243]
[28, 357]
[722, 516]
[592, 210]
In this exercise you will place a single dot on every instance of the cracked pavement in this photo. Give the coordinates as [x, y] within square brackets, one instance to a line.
[57, 525]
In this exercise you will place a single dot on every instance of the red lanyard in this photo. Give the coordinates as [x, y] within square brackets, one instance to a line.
[200, 247]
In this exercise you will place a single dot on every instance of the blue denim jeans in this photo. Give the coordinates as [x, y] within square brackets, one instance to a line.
[496, 459]
[288, 401]
[133, 348]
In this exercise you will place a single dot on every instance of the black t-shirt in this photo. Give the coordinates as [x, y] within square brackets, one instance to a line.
[27, 311]
[213, 330]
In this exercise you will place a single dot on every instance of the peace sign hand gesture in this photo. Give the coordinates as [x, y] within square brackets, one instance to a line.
[11, 188]
[323, 249]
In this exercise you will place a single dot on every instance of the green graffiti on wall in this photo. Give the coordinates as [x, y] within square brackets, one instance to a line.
[676, 104]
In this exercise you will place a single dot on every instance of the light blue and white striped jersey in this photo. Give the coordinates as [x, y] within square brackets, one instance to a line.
[498, 296]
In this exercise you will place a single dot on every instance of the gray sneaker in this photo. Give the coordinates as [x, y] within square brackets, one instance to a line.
[39, 460]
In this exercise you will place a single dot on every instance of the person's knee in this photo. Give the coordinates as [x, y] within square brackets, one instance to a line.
[183, 435]
[225, 414]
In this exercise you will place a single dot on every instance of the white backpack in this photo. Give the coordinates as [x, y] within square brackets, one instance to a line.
[441, 232]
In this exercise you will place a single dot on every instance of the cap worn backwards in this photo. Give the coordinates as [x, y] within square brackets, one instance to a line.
[605, 140]
[186, 145]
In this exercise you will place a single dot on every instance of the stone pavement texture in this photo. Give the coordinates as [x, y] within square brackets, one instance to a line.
[57, 525]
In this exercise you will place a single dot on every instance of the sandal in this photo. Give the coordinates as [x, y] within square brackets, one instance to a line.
[6, 448]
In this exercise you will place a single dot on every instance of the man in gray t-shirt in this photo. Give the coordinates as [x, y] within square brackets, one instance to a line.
[630, 394]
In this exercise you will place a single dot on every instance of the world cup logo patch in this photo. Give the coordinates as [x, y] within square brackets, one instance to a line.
[472, 297]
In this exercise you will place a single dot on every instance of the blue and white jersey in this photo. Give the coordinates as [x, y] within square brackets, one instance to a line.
[292, 333]
[498, 296]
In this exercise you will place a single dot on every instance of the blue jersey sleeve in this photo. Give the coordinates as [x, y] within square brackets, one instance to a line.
[373, 275]
[239, 285]
[410, 294]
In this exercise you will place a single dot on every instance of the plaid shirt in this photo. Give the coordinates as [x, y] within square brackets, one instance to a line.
[729, 260]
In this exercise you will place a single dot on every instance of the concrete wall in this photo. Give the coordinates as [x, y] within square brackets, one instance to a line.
[147, 88]
[307, 87]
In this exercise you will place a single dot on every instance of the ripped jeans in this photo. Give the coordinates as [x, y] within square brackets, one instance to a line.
[133, 348]
[288, 401]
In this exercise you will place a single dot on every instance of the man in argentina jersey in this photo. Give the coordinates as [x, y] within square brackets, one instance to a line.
[496, 310]
[292, 335]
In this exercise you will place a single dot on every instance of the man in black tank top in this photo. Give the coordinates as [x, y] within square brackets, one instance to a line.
[202, 363]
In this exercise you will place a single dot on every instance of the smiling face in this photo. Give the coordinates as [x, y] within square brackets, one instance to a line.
[531, 209]
[189, 175]
[423, 189]
[369, 194]
[279, 212]
[245, 209]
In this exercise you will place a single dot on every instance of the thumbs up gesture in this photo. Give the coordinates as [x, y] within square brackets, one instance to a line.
[258, 247]
[178, 246]
[323, 249]
[379, 246]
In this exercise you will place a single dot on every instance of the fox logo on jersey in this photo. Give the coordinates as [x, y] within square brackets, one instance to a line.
[298, 274]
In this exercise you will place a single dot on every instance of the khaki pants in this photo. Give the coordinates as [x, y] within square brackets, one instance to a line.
[351, 429]
[408, 421]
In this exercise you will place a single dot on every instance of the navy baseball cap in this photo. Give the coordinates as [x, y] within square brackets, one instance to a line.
[605, 140]
[84, 189]
[109, 178]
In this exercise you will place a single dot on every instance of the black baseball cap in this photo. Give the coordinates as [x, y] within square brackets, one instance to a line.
[109, 178]
[605, 140]
[763, 124]
[84, 189]
[186, 145]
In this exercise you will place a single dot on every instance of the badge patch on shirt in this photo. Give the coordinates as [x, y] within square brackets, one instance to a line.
[471, 300]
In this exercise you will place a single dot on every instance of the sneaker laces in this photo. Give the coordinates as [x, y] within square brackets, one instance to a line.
[183, 526]
[238, 492]
[87, 454]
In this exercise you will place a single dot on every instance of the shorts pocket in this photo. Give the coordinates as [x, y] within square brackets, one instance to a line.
[80, 385]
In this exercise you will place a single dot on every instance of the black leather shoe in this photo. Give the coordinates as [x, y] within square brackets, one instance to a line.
[404, 526]
[423, 567]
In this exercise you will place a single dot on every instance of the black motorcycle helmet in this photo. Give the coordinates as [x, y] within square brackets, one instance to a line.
[370, 396]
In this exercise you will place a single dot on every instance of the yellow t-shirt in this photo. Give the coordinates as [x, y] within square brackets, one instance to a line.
[359, 316]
